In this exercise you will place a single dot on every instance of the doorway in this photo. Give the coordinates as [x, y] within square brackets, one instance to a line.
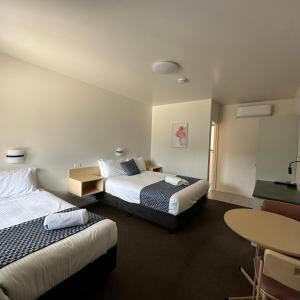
[213, 156]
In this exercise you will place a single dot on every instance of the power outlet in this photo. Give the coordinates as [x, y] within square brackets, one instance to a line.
[77, 165]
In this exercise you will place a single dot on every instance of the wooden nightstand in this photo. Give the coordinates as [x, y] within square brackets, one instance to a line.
[154, 168]
[85, 181]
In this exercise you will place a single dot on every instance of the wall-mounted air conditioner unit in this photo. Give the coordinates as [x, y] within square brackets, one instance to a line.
[254, 111]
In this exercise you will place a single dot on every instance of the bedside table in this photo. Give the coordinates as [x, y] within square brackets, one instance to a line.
[154, 168]
[85, 181]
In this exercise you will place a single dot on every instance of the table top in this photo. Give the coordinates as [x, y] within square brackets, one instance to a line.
[268, 230]
[86, 177]
[270, 190]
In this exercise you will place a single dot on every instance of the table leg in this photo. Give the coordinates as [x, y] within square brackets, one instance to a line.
[250, 280]
[239, 298]
[246, 275]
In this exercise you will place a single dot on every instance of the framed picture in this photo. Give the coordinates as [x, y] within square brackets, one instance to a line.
[179, 135]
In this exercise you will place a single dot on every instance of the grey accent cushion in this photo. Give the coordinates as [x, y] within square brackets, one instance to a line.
[130, 167]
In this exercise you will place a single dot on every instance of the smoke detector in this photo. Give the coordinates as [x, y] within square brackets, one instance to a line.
[165, 67]
[182, 80]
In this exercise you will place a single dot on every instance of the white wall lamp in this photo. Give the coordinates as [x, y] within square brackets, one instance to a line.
[119, 151]
[15, 156]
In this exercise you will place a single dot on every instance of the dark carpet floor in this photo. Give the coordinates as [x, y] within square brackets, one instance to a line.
[198, 262]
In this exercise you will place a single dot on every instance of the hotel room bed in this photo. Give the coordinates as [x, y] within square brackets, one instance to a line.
[31, 276]
[125, 193]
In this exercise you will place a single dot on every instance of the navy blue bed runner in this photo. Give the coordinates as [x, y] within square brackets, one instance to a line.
[157, 195]
[23, 239]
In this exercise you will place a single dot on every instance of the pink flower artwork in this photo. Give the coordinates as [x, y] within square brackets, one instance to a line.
[179, 135]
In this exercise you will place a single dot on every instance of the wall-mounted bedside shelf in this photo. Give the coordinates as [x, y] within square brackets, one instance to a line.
[154, 168]
[85, 181]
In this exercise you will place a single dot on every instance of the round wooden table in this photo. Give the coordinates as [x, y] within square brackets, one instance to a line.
[268, 230]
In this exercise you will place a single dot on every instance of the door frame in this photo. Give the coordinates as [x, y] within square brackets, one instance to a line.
[214, 162]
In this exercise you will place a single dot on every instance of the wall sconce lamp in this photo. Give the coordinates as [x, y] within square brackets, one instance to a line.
[290, 170]
[119, 151]
[15, 156]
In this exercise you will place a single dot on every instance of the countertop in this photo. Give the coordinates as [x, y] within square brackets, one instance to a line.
[273, 191]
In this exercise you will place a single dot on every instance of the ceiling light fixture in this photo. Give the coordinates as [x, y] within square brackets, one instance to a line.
[165, 67]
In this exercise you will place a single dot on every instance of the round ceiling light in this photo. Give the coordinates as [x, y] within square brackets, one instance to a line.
[165, 67]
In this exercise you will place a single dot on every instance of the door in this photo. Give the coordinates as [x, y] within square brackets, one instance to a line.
[213, 155]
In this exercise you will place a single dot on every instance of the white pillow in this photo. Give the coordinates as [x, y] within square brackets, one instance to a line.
[140, 163]
[15, 182]
[110, 168]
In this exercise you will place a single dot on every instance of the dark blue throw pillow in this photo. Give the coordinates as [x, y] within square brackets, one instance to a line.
[130, 167]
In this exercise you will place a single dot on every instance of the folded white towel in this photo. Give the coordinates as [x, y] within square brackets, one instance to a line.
[66, 219]
[176, 180]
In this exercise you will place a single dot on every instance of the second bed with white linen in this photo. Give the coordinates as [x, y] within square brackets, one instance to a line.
[128, 188]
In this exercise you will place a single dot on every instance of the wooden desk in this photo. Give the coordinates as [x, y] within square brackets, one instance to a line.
[270, 190]
[266, 229]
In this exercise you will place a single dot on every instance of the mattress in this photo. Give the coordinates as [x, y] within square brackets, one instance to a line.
[34, 274]
[128, 188]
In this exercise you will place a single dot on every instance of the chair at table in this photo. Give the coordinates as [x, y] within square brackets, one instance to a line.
[281, 208]
[278, 277]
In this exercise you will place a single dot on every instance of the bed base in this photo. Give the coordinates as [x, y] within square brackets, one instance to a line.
[79, 285]
[166, 220]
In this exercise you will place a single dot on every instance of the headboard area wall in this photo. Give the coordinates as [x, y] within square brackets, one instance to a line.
[60, 122]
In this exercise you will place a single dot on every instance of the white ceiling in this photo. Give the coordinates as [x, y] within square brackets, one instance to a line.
[231, 50]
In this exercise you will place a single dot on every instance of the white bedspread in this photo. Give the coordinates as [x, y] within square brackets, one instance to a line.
[128, 188]
[34, 274]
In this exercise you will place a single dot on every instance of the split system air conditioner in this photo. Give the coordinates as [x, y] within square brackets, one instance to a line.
[254, 111]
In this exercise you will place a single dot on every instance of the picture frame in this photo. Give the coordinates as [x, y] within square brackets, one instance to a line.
[179, 138]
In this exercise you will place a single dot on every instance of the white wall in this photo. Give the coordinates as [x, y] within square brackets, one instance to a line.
[189, 161]
[238, 146]
[61, 121]
[277, 147]
[215, 111]
[297, 101]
